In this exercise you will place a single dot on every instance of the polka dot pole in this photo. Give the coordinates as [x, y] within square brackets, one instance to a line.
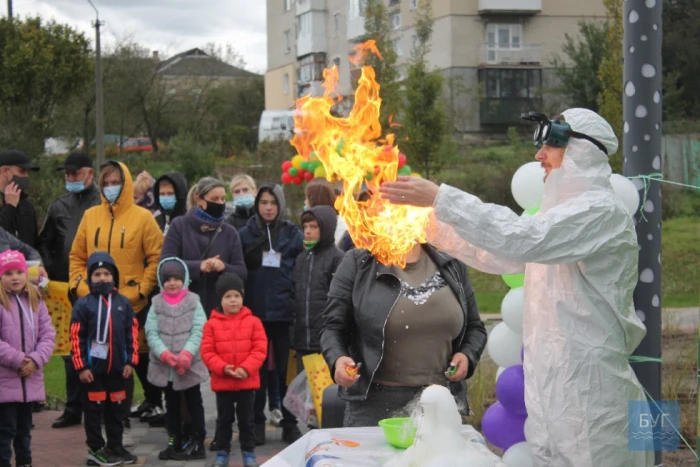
[642, 156]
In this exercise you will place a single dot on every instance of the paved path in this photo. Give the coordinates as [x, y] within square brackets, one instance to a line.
[66, 447]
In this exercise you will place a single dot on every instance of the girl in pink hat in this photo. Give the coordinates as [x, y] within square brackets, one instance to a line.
[27, 339]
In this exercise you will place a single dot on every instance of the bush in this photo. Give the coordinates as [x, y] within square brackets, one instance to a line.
[46, 185]
[193, 159]
[678, 202]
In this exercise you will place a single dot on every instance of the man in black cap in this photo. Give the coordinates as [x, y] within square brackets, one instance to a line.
[17, 214]
[61, 224]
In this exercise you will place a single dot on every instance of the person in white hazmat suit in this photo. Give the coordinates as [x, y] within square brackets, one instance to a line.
[579, 255]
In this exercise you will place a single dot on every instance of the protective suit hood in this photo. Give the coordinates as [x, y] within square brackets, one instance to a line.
[584, 168]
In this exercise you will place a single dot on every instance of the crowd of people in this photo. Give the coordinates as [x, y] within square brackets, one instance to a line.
[166, 285]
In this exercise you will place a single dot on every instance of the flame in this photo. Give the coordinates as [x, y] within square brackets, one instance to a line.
[350, 151]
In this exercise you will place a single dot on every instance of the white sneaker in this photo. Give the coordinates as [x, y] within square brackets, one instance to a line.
[127, 440]
[276, 417]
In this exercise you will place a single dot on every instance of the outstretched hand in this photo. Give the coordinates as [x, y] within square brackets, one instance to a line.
[412, 191]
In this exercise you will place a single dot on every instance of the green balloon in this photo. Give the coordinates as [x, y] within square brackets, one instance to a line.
[293, 171]
[369, 176]
[304, 165]
[405, 170]
[531, 212]
[514, 280]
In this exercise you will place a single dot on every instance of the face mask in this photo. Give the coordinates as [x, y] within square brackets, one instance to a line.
[112, 193]
[21, 182]
[167, 202]
[245, 201]
[103, 288]
[215, 210]
[75, 187]
[306, 208]
[309, 244]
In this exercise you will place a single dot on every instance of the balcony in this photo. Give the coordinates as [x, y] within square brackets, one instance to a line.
[305, 6]
[356, 29]
[311, 43]
[524, 55]
[505, 111]
[510, 7]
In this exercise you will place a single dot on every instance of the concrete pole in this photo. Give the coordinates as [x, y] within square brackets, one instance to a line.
[642, 144]
[99, 100]
[9, 9]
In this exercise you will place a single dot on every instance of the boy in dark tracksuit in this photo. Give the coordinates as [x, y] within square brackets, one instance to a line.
[313, 272]
[104, 351]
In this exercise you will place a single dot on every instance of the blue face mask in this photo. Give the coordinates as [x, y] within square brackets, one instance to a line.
[245, 201]
[306, 208]
[167, 202]
[75, 187]
[112, 193]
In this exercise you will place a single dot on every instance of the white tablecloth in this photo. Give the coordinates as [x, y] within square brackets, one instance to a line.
[349, 447]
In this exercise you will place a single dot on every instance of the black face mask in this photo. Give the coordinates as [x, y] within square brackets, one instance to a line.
[215, 209]
[21, 182]
[102, 288]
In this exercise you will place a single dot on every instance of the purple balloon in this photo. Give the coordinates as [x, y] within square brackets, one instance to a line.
[510, 389]
[503, 428]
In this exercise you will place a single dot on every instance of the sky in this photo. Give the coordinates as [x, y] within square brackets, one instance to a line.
[168, 26]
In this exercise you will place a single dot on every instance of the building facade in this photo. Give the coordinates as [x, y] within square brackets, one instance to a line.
[496, 55]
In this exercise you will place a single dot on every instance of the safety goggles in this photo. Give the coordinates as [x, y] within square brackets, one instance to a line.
[556, 133]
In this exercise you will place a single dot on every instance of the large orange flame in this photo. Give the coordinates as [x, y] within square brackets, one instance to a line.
[350, 151]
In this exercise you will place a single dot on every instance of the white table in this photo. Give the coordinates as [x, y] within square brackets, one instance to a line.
[350, 447]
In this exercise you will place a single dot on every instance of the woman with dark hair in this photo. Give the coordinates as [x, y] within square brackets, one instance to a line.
[205, 241]
[406, 326]
[171, 192]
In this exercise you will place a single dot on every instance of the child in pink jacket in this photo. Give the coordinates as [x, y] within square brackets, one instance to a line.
[27, 339]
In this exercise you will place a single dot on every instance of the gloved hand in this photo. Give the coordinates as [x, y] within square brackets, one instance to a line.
[169, 358]
[184, 362]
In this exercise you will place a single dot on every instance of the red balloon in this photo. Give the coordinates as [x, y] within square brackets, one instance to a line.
[402, 160]
[308, 176]
[298, 180]
[286, 178]
[286, 165]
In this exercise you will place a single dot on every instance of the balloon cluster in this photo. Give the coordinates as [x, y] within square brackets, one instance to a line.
[299, 170]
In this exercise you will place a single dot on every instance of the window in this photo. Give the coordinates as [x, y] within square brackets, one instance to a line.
[511, 83]
[396, 21]
[287, 5]
[396, 44]
[356, 8]
[414, 41]
[504, 36]
[304, 25]
[285, 83]
[414, 4]
[336, 24]
[311, 68]
[287, 41]
[394, 2]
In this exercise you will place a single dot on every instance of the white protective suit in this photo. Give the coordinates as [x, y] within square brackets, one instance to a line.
[579, 254]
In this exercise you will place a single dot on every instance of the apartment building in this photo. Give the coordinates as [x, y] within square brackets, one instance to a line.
[495, 54]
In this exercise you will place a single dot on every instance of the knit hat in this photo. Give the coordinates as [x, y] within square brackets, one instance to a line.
[228, 281]
[12, 259]
[171, 267]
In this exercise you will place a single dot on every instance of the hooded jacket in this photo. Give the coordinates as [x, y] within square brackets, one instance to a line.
[20, 221]
[163, 217]
[579, 254]
[240, 216]
[20, 338]
[60, 227]
[10, 242]
[176, 328]
[269, 290]
[313, 273]
[237, 340]
[121, 328]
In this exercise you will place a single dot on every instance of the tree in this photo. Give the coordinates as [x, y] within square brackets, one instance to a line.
[578, 73]
[610, 73]
[681, 58]
[42, 66]
[424, 123]
[378, 27]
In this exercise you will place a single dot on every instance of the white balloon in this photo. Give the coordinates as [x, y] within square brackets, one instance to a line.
[499, 371]
[528, 429]
[504, 346]
[527, 185]
[626, 192]
[512, 309]
[518, 455]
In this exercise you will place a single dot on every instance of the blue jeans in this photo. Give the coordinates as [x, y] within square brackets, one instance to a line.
[15, 428]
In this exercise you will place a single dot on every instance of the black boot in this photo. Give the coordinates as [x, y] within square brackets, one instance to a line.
[67, 419]
[174, 445]
[192, 449]
[290, 433]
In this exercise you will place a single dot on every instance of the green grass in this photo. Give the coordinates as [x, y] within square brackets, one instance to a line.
[680, 274]
[55, 381]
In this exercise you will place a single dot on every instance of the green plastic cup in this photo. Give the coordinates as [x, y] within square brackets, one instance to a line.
[399, 432]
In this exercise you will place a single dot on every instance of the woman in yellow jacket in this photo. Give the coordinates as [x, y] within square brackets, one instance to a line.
[130, 234]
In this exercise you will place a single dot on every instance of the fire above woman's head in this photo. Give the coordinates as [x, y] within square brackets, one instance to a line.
[351, 151]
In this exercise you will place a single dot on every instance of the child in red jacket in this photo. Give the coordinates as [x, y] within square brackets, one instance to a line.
[234, 347]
